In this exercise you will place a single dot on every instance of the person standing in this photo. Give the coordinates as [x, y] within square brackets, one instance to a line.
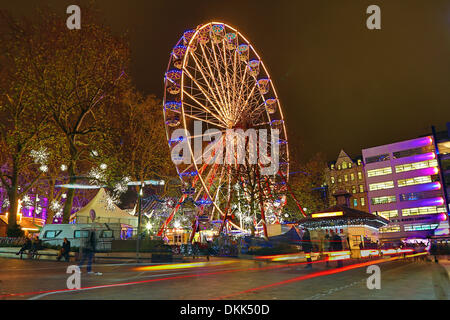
[88, 251]
[307, 247]
[337, 246]
[434, 250]
[208, 249]
[326, 248]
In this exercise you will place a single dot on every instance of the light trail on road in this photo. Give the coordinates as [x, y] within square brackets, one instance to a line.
[155, 280]
[202, 274]
[184, 265]
[319, 274]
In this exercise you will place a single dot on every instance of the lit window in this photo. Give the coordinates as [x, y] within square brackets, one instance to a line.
[344, 165]
[419, 227]
[352, 176]
[361, 188]
[355, 202]
[416, 165]
[332, 167]
[354, 189]
[422, 210]
[381, 185]
[339, 167]
[388, 214]
[363, 202]
[390, 229]
[383, 200]
[416, 180]
[359, 162]
[339, 179]
[346, 178]
[332, 179]
[379, 172]
[350, 165]
[359, 175]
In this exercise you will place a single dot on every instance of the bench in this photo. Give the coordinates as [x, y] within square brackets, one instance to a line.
[32, 254]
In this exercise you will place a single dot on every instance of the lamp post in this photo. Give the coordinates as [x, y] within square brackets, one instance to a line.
[139, 221]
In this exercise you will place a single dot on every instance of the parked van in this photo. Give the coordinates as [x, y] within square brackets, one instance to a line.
[54, 234]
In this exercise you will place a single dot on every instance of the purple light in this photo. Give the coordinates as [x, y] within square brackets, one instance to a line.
[424, 157]
[426, 141]
[430, 186]
[433, 202]
[429, 171]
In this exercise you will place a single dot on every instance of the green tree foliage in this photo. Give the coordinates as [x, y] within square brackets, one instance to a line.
[305, 182]
[139, 142]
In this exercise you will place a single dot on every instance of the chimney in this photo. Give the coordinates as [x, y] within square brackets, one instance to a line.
[342, 198]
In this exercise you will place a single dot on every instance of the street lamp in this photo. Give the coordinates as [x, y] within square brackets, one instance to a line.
[139, 221]
[140, 194]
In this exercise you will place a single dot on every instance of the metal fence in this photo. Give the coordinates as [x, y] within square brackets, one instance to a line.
[11, 241]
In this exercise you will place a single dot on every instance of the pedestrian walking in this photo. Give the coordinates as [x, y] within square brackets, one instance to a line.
[88, 251]
[195, 250]
[307, 247]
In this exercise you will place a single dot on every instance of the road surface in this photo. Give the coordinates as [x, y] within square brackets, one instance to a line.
[223, 278]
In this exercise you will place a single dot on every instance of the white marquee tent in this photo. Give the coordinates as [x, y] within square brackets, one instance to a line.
[96, 211]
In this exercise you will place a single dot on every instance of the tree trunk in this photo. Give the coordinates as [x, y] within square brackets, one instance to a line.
[13, 199]
[70, 194]
[51, 197]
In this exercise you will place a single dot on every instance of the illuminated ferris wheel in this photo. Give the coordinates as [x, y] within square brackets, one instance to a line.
[216, 81]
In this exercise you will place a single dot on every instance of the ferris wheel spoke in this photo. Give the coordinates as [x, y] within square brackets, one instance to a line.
[210, 89]
[239, 96]
[219, 185]
[248, 98]
[213, 78]
[234, 78]
[206, 135]
[205, 120]
[227, 78]
[216, 61]
[204, 109]
[218, 117]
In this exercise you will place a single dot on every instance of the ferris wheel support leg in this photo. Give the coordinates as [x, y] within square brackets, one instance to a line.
[261, 204]
[292, 194]
[166, 223]
[227, 208]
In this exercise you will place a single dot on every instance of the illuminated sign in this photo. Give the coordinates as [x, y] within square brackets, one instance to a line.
[327, 214]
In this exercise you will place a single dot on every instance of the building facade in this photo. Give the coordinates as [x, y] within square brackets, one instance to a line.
[404, 186]
[443, 152]
[346, 175]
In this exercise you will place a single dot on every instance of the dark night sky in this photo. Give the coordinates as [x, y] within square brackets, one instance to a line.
[340, 84]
